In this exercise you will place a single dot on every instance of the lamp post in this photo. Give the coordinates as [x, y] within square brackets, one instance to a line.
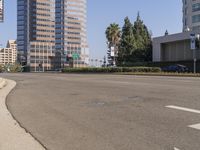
[197, 43]
[62, 61]
[194, 45]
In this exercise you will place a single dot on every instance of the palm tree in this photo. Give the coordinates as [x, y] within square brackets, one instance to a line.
[113, 35]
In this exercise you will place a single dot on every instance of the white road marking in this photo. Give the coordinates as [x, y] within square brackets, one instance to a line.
[195, 126]
[176, 148]
[184, 109]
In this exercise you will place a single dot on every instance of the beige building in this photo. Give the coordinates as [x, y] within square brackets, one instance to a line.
[41, 56]
[8, 55]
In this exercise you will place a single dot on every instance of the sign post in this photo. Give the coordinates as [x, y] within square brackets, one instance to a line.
[113, 55]
[75, 56]
[193, 39]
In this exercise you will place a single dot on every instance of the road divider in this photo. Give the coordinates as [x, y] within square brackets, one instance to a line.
[13, 136]
[2, 83]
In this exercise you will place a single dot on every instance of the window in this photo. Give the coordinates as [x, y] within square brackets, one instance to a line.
[195, 18]
[196, 7]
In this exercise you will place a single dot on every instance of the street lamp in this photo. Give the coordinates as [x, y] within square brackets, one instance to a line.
[194, 45]
[197, 43]
[61, 55]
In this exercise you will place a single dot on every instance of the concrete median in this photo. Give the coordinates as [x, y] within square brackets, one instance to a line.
[2, 83]
[12, 136]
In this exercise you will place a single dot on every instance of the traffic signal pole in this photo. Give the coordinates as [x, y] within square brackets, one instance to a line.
[195, 44]
[195, 60]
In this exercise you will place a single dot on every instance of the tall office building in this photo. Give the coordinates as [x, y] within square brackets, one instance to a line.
[36, 33]
[50, 32]
[1, 10]
[71, 37]
[191, 15]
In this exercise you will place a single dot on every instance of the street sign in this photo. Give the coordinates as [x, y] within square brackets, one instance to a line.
[192, 42]
[112, 51]
[75, 56]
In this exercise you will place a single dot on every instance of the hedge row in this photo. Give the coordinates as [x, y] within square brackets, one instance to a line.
[111, 70]
[11, 68]
[189, 64]
[1, 68]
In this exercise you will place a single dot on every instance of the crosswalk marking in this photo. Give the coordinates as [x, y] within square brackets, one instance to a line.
[184, 109]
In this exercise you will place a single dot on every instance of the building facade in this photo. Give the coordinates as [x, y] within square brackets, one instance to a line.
[52, 31]
[70, 35]
[176, 47]
[173, 48]
[191, 15]
[36, 33]
[1, 10]
[8, 55]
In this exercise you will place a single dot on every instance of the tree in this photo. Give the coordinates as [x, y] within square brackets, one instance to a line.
[135, 44]
[113, 34]
[127, 43]
[143, 41]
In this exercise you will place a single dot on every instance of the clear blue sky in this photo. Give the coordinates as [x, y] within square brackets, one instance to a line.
[158, 15]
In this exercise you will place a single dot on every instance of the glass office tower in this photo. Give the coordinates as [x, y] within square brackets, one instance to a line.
[52, 32]
[36, 33]
[22, 26]
[71, 37]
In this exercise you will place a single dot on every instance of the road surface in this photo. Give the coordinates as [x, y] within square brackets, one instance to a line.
[108, 112]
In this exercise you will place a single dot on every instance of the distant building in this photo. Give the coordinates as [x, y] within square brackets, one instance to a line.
[172, 48]
[8, 55]
[176, 47]
[51, 31]
[36, 33]
[70, 33]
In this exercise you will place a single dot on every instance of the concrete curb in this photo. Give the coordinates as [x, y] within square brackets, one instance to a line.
[2, 83]
[12, 136]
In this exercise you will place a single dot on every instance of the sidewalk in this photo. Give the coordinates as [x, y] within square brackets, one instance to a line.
[12, 136]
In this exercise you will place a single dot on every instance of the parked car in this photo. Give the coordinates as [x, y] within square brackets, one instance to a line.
[176, 68]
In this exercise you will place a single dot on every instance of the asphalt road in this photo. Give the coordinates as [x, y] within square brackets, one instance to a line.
[108, 112]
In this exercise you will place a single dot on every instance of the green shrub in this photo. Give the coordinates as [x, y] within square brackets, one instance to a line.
[111, 70]
[13, 68]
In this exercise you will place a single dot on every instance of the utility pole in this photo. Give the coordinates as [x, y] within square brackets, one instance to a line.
[197, 43]
[194, 45]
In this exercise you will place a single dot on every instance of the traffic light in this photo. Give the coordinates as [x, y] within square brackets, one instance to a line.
[197, 43]
[40, 65]
[67, 58]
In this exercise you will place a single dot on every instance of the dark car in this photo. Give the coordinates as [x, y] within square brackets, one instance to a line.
[175, 68]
